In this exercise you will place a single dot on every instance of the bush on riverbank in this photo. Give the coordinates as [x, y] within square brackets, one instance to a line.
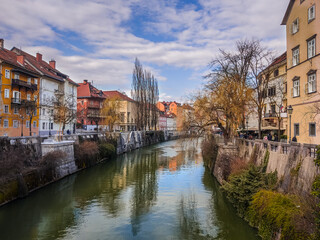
[86, 154]
[209, 150]
[242, 186]
[107, 150]
[275, 213]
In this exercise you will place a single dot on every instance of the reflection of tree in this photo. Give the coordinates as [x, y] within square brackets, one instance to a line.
[189, 224]
[223, 215]
[145, 188]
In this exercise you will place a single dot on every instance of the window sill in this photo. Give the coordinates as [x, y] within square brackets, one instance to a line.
[312, 92]
[296, 96]
[311, 20]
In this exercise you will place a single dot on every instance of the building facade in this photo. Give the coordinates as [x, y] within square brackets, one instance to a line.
[19, 104]
[303, 63]
[89, 105]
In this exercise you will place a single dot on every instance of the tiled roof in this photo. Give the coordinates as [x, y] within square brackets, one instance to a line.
[41, 66]
[11, 58]
[86, 90]
[281, 58]
[187, 107]
[117, 94]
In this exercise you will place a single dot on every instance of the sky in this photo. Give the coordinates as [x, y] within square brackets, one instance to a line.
[98, 40]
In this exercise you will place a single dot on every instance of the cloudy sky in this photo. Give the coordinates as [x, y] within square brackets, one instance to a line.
[98, 40]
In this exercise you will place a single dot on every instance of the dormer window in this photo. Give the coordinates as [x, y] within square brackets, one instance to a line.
[311, 13]
[295, 26]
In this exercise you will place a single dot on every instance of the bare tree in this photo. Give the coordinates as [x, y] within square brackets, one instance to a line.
[145, 93]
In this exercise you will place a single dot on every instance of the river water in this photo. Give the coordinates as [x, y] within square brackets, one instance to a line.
[158, 192]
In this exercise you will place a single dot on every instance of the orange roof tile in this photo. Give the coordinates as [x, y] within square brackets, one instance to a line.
[117, 94]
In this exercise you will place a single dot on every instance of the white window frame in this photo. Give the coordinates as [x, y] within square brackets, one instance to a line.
[15, 124]
[5, 123]
[311, 13]
[16, 76]
[27, 124]
[6, 107]
[34, 124]
[29, 97]
[6, 93]
[296, 88]
[295, 26]
[43, 126]
[7, 73]
[312, 81]
[295, 56]
[35, 81]
[29, 81]
[311, 47]
[16, 95]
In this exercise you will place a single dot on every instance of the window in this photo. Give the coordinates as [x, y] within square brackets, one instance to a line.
[295, 26]
[51, 125]
[29, 81]
[15, 123]
[28, 96]
[311, 47]
[5, 123]
[272, 91]
[34, 124]
[311, 13]
[35, 97]
[43, 125]
[296, 88]
[16, 110]
[312, 129]
[6, 108]
[16, 76]
[295, 56]
[312, 83]
[6, 93]
[296, 129]
[273, 109]
[276, 73]
[122, 117]
[27, 124]
[16, 97]
[43, 112]
[35, 81]
[7, 74]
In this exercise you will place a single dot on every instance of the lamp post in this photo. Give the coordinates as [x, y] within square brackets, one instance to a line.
[290, 110]
[247, 122]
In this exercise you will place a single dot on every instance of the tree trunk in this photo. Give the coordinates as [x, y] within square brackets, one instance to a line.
[30, 126]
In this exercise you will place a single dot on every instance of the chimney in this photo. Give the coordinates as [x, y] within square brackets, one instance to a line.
[39, 57]
[20, 59]
[85, 81]
[52, 63]
[1, 43]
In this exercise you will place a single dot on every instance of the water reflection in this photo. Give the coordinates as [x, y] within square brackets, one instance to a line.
[160, 192]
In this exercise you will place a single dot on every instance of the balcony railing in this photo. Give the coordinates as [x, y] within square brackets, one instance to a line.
[24, 102]
[20, 83]
[16, 100]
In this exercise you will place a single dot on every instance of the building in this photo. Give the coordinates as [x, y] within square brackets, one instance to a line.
[162, 121]
[303, 63]
[19, 100]
[89, 105]
[275, 102]
[127, 111]
[171, 121]
[54, 87]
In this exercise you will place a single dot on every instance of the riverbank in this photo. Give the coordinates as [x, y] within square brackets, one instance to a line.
[270, 185]
[30, 163]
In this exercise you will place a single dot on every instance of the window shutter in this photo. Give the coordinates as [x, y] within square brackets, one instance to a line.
[291, 92]
[297, 24]
[306, 88]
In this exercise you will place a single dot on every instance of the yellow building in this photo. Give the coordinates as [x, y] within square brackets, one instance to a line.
[19, 101]
[303, 63]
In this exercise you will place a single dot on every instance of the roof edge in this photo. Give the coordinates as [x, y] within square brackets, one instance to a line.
[287, 14]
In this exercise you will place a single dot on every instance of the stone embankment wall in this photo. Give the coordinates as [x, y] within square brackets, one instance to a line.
[36, 147]
[293, 163]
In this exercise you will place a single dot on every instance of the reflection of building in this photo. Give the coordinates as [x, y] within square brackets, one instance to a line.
[89, 106]
[303, 62]
[127, 110]
[19, 95]
[276, 96]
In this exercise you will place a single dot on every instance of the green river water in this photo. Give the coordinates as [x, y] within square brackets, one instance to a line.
[158, 192]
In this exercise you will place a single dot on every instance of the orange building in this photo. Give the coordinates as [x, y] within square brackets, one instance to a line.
[19, 101]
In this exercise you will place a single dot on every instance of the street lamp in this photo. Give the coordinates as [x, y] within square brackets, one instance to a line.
[290, 110]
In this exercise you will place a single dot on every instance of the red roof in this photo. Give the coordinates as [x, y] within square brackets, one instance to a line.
[41, 66]
[117, 94]
[86, 90]
[11, 58]
[281, 58]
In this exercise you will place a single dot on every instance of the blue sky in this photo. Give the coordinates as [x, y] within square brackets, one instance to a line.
[98, 40]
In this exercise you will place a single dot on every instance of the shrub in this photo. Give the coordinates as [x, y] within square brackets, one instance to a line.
[209, 150]
[274, 212]
[86, 154]
[241, 187]
[238, 166]
[107, 150]
[48, 164]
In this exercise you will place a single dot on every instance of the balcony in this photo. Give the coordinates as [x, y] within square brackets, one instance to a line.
[94, 105]
[23, 102]
[20, 83]
[16, 100]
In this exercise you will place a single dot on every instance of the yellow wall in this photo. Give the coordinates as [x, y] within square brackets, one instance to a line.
[6, 84]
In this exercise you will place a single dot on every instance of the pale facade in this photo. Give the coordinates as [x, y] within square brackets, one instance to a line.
[303, 63]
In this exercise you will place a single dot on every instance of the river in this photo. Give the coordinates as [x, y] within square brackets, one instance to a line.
[158, 192]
